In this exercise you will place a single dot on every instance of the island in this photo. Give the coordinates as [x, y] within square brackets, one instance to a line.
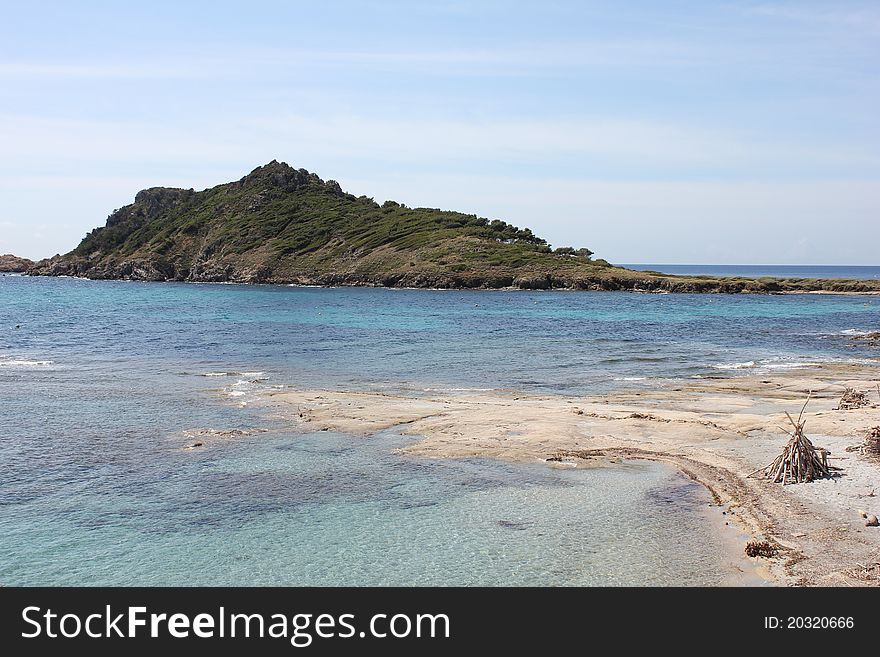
[279, 224]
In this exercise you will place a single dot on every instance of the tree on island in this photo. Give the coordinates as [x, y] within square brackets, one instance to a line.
[571, 251]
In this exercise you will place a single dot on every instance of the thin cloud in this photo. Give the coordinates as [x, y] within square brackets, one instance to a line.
[620, 142]
[87, 70]
[860, 18]
[526, 59]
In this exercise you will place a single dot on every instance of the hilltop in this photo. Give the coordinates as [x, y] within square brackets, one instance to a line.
[279, 224]
[13, 264]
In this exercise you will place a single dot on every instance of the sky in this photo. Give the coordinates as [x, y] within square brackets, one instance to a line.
[655, 132]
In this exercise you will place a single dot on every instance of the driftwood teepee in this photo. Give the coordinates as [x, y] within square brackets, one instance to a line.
[853, 399]
[871, 446]
[800, 461]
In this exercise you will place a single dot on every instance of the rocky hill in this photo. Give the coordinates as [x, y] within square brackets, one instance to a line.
[13, 264]
[284, 225]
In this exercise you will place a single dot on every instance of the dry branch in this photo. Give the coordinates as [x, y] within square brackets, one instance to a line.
[871, 446]
[853, 399]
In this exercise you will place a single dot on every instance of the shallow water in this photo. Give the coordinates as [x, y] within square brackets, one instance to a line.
[320, 510]
[104, 384]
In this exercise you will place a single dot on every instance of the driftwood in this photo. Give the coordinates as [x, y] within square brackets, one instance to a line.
[871, 445]
[853, 399]
[761, 549]
[800, 461]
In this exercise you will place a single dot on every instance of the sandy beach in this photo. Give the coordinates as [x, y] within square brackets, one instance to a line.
[716, 430]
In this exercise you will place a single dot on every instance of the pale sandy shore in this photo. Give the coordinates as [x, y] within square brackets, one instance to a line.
[717, 431]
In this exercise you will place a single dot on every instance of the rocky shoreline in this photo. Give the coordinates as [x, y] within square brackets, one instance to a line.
[11, 264]
[605, 279]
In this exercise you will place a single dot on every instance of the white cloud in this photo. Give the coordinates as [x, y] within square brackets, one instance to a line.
[33, 142]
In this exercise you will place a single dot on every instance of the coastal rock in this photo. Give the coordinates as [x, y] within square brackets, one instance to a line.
[14, 264]
[544, 282]
[152, 202]
[871, 339]
[872, 521]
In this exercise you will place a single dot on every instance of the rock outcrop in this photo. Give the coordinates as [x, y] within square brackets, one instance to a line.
[13, 264]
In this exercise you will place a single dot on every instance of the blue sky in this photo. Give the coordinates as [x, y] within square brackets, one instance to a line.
[698, 132]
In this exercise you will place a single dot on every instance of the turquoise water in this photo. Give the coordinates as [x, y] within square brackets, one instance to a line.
[104, 384]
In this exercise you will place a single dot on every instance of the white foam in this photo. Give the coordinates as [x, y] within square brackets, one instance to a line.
[252, 375]
[784, 366]
[25, 363]
[747, 365]
[631, 378]
[856, 332]
[767, 364]
[784, 363]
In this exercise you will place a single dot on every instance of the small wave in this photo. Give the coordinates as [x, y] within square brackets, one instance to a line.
[785, 366]
[255, 375]
[250, 375]
[24, 363]
[747, 365]
[785, 363]
[631, 378]
[767, 364]
[856, 332]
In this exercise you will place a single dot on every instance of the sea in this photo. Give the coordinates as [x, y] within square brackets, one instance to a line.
[104, 385]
